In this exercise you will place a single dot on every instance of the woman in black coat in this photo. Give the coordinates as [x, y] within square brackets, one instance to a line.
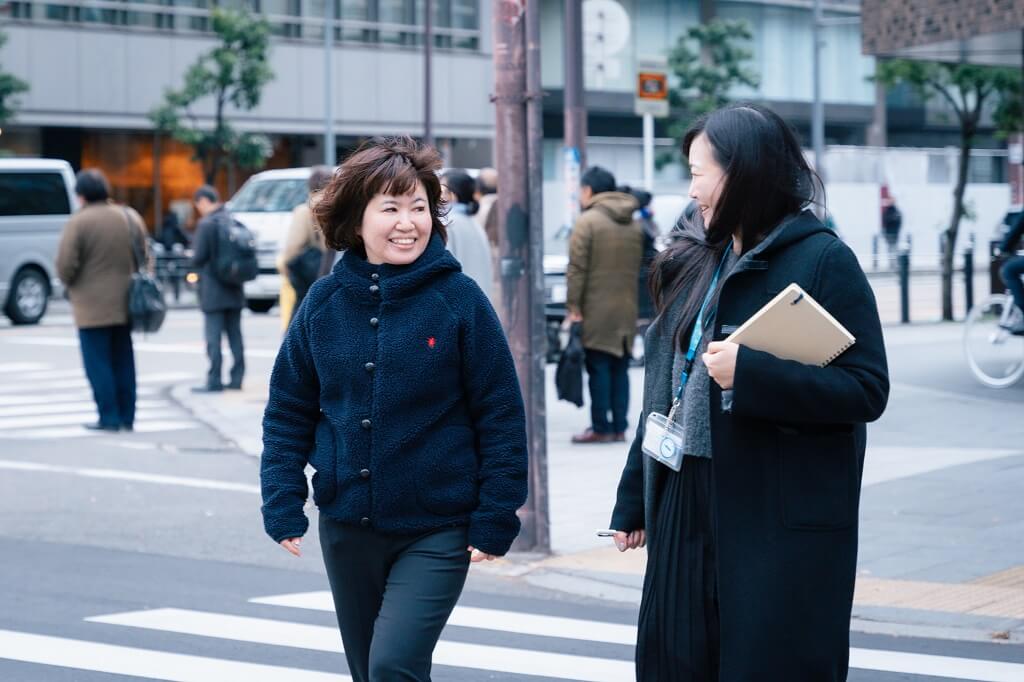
[753, 543]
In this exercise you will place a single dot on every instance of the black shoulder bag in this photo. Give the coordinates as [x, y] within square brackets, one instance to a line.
[146, 306]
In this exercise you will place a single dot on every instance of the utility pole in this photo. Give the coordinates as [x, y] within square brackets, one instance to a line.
[428, 58]
[575, 117]
[818, 107]
[330, 146]
[518, 160]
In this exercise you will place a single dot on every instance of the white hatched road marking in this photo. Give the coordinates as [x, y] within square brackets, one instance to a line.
[194, 348]
[322, 638]
[488, 619]
[30, 410]
[136, 476]
[145, 663]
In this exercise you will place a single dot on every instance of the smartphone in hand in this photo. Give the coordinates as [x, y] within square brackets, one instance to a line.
[606, 533]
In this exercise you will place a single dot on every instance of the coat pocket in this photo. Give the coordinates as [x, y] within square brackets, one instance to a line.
[324, 461]
[817, 479]
[447, 473]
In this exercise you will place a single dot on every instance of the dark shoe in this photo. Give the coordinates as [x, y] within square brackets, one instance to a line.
[207, 389]
[96, 426]
[127, 427]
[619, 437]
[591, 436]
[233, 387]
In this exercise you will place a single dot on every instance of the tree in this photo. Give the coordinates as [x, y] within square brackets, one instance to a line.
[233, 73]
[708, 61]
[968, 89]
[9, 88]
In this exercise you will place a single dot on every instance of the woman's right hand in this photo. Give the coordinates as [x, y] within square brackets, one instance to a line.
[292, 545]
[624, 540]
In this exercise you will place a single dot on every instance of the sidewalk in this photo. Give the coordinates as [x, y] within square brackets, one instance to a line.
[942, 519]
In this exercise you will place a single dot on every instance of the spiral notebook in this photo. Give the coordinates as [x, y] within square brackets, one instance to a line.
[793, 326]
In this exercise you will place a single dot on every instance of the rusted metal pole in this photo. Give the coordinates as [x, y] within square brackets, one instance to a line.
[518, 161]
[428, 72]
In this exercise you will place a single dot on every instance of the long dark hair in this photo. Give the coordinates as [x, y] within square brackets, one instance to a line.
[462, 186]
[766, 179]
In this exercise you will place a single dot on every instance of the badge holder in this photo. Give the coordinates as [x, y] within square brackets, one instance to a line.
[663, 439]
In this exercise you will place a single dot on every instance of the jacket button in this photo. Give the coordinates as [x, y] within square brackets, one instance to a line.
[374, 288]
[364, 522]
[366, 424]
[369, 367]
[374, 321]
[365, 473]
[375, 277]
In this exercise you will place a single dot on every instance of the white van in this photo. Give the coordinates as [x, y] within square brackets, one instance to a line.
[264, 204]
[37, 197]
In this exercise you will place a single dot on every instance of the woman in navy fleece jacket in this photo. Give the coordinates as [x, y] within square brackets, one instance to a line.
[396, 385]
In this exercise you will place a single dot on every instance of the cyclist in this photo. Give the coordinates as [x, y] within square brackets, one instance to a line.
[1012, 271]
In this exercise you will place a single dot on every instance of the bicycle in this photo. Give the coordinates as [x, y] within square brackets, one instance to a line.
[994, 355]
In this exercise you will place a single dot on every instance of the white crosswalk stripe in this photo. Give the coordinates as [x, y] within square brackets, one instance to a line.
[38, 401]
[452, 651]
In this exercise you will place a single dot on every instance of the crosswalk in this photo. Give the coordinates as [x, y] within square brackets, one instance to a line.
[39, 401]
[539, 646]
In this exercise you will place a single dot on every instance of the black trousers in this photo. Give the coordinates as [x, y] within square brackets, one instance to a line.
[609, 390]
[216, 325]
[393, 595]
[109, 363]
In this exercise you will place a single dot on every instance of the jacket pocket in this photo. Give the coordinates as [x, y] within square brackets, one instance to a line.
[446, 481]
[325, 464]
[817, 479]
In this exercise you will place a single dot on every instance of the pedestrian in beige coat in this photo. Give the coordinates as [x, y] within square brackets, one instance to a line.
[95, 262]
[605, 253]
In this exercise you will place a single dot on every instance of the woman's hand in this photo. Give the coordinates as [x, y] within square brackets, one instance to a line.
[476, 555]
[624, 540]
[721, 362]
[292, 545]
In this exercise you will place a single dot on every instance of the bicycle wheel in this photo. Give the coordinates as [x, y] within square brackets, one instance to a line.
[995, 356]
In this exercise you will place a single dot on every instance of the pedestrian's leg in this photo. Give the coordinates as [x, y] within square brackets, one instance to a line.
[599, 378]
[357, 562]
[233, 326]
[1012, 271]
[424, 584]
[620, 393]
[123, 358]
[96, 359]
[214, 328]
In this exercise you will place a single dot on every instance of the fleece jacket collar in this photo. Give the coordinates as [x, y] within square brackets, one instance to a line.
[396, 281]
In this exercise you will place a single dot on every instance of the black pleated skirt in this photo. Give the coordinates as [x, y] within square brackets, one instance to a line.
[678, 639]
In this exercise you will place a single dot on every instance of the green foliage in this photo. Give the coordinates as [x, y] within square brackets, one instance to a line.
[232, 74]
[967, 88]
[10, 87]
[708, 61]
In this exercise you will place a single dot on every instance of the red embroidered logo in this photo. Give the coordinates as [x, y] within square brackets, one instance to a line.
[431, 342]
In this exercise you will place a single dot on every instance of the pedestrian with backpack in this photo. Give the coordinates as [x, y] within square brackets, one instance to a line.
[224, 255]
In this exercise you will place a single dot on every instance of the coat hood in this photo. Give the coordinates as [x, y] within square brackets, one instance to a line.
[792, 229]
[618, 206]
[396, 281]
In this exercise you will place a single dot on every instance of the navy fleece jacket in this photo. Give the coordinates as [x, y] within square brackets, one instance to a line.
[396, 384]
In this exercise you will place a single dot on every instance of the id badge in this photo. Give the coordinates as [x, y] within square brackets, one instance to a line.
[663, 440]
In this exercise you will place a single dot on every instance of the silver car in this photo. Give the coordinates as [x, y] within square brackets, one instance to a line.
[36, 200]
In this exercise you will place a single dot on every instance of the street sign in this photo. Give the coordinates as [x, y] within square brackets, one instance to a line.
[651, 88]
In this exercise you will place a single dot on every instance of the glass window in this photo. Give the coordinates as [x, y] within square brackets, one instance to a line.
[28, 193]
[400, 12]
[281, 8]
[353, 11]
[270, 195]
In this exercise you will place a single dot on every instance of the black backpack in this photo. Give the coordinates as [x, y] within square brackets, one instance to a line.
[235, 261]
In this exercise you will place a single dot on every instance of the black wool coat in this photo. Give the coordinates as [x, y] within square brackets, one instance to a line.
[788, 453]
[215, 295]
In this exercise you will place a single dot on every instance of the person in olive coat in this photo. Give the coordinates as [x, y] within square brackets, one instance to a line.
[752, 545]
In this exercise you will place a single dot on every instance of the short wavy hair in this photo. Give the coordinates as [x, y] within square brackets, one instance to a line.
[381, 165]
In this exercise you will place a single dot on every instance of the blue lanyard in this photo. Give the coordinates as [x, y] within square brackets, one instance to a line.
[698, 328]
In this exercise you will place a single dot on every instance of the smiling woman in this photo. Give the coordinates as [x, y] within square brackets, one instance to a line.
[396, 384]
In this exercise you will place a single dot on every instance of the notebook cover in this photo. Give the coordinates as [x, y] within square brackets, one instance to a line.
[793, 326]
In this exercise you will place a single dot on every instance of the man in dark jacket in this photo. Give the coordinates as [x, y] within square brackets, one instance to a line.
[605, 253]
[220, 301]
[1013, 269]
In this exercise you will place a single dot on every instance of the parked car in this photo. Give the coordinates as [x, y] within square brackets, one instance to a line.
[264, 204]
[37, 197]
